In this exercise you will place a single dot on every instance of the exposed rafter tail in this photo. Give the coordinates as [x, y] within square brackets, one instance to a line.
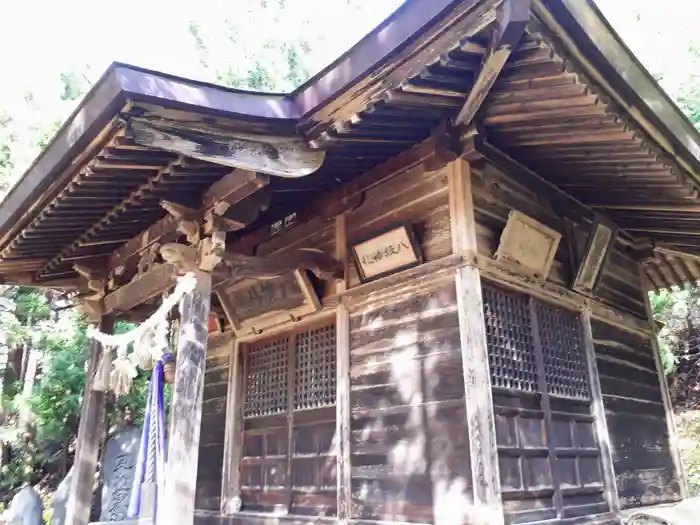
[513, 17]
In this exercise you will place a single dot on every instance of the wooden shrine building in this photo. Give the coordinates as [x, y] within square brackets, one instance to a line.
[423, 274]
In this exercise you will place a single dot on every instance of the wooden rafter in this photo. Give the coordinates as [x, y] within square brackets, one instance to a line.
[513, 16]
[135, 197]
[231, 189]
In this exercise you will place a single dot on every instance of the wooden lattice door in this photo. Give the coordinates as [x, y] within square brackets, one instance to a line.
[549, 458]
[289, 459]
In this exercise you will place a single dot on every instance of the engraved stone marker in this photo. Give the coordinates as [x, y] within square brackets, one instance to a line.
[119, 468]
[25, 508]
[60, 500]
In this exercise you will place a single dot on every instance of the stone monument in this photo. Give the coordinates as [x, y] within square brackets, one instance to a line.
[119, 468]
[60, 500]
[25, 508]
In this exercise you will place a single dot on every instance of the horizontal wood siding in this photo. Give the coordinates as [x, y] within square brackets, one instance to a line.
[644, 469]
[495, 195]
[211, 441]
[316, 233]
[620, 284]
[416, 197]
[409, 445]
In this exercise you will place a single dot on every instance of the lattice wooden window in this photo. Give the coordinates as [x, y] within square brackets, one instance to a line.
[511, 353]
[288, 460]
[314, 377]
[565, 366]
[548, 454]
[266, 378]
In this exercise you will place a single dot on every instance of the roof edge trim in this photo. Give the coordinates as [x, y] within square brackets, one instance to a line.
[178, 92]
[632, 84]
[101, 105]
[93, 114]
[376, 48]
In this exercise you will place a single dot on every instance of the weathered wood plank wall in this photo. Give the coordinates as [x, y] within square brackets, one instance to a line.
[495, 195]
[644, 468]
[409, 450]
[211, 453]
[418, 197]
[408, 446]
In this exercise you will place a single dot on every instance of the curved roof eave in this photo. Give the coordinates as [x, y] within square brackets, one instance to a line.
[577, 22]
[119, 84]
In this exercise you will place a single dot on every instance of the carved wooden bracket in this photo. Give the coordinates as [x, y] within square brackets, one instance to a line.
[211, 250]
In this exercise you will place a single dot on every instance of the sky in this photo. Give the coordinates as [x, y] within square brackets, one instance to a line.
[48, 37]
[660, 34]
[39, 39]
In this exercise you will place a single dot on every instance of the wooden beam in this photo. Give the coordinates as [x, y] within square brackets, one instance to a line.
[164, 230]
[89, 432]
[513, 16]
[232, 189]
[434, 152]
[488, 507]
[149, 284]
[665, 395]
[508, 275]
[649, 206]
[177, 503]
[600, 422]
[677, 253]
[315, 261]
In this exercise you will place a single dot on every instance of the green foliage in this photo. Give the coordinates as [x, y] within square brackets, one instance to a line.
[57, 398]
[9, 394]
[689, 444]
[679, 311]
[688, 97]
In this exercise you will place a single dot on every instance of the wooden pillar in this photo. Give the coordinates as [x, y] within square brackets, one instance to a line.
[89, 435]
[342, 421]
[488, 507]
[31, 361]
[177, 503]
[233, 440]
[665, 395]
[601, 424]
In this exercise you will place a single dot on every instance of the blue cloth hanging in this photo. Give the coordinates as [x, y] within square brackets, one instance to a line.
[150, 463]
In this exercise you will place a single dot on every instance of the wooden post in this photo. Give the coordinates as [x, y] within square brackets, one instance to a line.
[342, 415]
[665, 395]
[89, 435]
[230, 488]
[601, 424]
[177, 503]
[488, 507]
[31, 355]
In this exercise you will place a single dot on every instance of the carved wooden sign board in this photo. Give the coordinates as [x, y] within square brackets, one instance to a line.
[528, 244]
[595, 255]
[254, 305]
[388, 252]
